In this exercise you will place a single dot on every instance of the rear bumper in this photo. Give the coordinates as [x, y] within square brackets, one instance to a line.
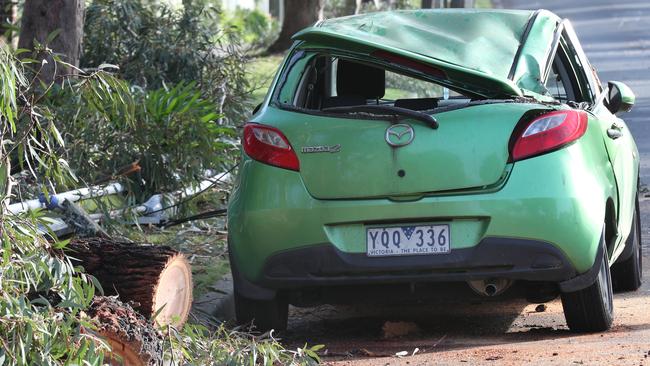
[324, 265]
[493, 257]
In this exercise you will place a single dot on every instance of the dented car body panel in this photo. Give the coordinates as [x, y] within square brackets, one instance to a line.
[491, 63]
[525, 164]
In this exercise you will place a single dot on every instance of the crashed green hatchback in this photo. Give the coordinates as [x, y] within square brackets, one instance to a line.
[401, 153]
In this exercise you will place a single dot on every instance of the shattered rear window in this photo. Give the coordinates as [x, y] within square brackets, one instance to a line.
[317, 81]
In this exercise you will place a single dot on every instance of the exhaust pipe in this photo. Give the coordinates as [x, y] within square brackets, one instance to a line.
[490, 287]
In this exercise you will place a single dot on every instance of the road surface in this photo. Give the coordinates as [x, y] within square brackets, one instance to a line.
[616, 37]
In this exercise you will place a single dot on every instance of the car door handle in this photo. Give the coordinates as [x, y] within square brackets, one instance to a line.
[614, 133]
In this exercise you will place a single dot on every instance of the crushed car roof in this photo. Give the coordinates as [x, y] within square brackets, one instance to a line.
[475, 48]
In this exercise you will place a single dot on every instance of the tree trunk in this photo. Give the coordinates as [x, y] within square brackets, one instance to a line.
[151, 276]
[43, 17]
[298, 14]
[133, 340]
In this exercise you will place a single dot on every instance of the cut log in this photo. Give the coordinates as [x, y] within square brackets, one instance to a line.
[156, 279]
[132, 338]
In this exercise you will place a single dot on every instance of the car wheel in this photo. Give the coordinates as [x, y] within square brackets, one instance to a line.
[627, 275]
[591, 309]
[264, 314]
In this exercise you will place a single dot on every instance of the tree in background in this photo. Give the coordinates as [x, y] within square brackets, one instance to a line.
[298, 14]
[57, 24]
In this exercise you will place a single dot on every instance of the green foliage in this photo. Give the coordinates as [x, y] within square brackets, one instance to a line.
[42, 297]
[172, 132]
[154, 45]
[254, 26]
[184, 83]
[339, 8]
[486, 4]
[196, 345]
[41, 293]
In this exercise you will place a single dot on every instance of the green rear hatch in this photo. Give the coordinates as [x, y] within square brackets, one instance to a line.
[469, 150]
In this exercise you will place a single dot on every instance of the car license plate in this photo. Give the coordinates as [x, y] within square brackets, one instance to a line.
[408, 240]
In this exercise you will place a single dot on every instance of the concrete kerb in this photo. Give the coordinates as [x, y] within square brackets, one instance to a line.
[217, 305]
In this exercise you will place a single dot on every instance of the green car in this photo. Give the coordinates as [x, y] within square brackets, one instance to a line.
[401, 152]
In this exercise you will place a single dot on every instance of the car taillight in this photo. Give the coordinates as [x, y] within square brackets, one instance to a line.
[548, 132]
[268, 145]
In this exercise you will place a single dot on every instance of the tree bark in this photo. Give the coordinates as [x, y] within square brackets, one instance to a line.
[153, 277]
[298, 14]
[133, 340]
[43, 17]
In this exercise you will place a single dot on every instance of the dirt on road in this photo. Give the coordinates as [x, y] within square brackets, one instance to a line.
[485, 332]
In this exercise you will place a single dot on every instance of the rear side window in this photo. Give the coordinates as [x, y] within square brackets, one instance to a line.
[559, 83]
[319, 81]
[567, 79]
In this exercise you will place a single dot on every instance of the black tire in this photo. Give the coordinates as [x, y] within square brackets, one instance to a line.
[264, 314]
[628, 274]
[591, 309]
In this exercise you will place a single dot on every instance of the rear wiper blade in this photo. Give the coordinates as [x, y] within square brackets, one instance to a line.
[386, 110]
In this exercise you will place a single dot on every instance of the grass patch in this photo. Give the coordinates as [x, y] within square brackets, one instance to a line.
[484, 4]
[261, 71]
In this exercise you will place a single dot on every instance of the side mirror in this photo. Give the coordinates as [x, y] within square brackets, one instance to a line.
[620, 96]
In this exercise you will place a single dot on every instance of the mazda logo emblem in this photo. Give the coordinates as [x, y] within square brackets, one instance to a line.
[400, 134]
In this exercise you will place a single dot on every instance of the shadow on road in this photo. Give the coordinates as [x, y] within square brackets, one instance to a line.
[360, 331]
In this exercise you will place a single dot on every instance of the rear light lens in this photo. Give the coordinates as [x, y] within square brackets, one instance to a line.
[268, 145]
[549, 132]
